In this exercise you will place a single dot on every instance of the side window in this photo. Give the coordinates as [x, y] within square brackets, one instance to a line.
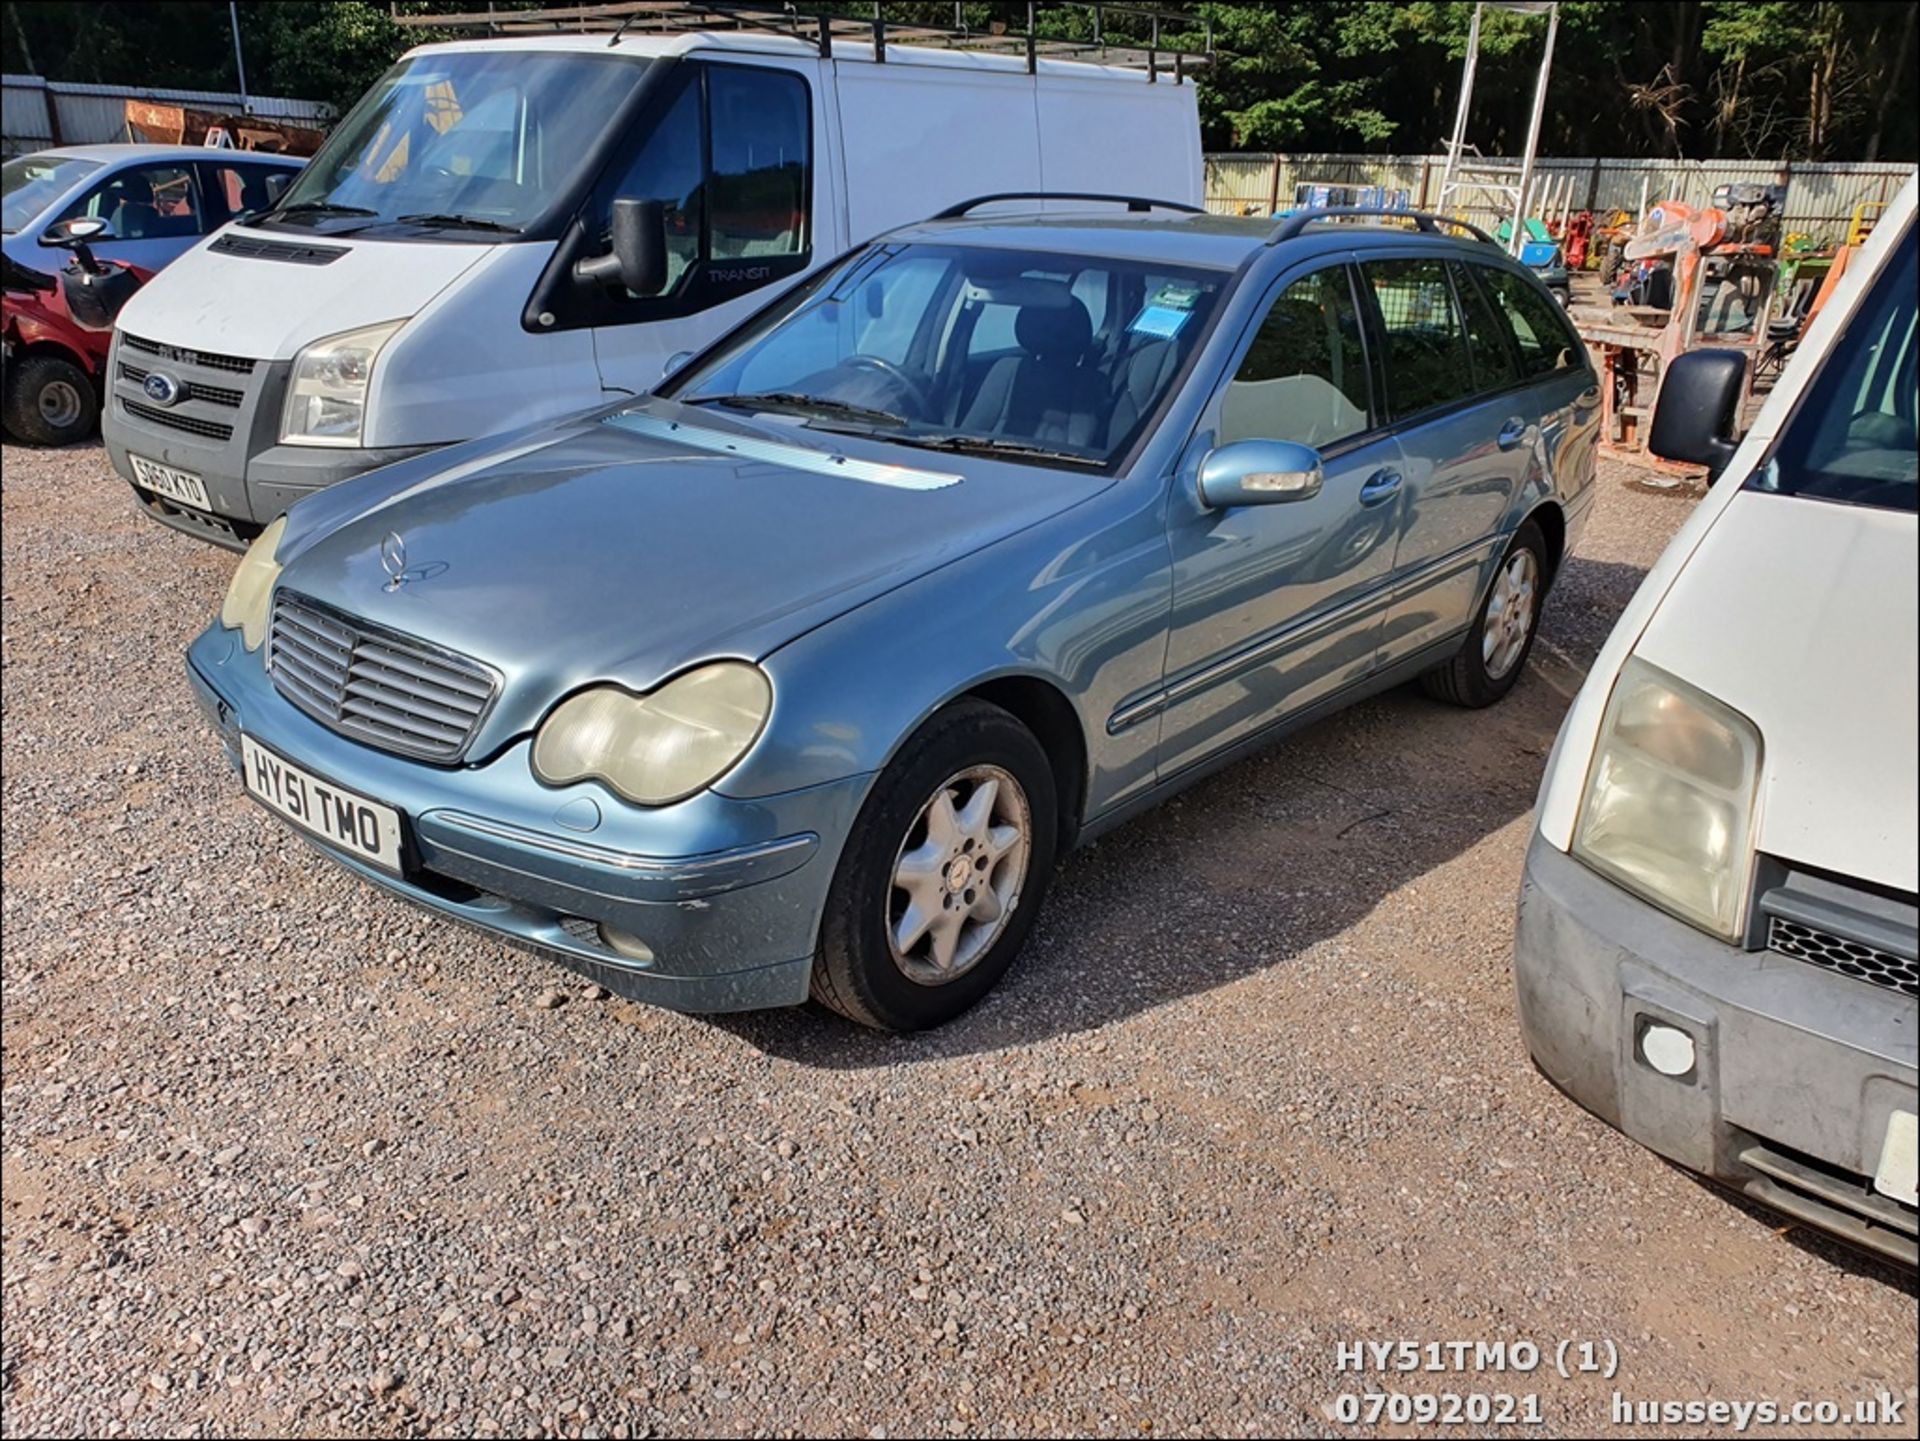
[1304, 377]
[235, 187]
[1427, 360]
[993, 331]
[1539, 329]
[668, 169]
[761, 172]
[1493, 362]
[152, 202]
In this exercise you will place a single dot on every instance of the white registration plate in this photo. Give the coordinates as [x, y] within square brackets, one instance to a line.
[364, 829]
[181, 485]
[1899, 1158]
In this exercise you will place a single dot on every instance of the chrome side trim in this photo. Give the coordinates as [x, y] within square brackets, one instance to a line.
[794, 457]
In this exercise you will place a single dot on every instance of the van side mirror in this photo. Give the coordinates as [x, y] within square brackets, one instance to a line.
[1697, 418]
[1259, 472]
[638, 259]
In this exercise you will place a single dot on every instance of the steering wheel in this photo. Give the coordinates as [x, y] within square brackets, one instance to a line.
[915, 392]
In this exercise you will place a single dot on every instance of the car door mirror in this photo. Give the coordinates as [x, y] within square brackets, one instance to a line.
[66, 234]
[1259, 472]
[276, 184]
[1697, 418]
[638, 258]
[674, 362]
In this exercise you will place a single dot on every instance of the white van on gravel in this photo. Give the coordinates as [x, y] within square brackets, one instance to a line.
[509, 228]
[1717, 940]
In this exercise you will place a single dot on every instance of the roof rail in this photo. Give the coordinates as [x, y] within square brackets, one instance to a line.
[1126, 36]
[1136, 203]
[1301, 219]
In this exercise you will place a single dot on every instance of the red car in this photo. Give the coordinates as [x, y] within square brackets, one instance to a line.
[56, 331]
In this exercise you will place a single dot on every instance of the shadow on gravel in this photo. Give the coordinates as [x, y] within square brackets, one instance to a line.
[1263, 861]
[1815, 1243]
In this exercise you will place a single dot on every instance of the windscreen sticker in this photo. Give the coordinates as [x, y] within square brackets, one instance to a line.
[1166, 310]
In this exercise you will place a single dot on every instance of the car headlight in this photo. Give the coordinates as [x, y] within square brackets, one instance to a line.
[327, 394]
[1669, 806]
[250, 592]
[661, 747]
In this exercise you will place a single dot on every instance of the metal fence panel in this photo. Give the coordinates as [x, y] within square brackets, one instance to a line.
[1821, 198]
[40, 112]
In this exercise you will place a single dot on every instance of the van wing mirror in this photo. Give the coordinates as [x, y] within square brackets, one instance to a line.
[1259, 472]
[1697, 418]
[638, 259]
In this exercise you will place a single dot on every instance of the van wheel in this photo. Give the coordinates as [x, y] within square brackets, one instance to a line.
[942, 873]
[1488, 665]
[50, 401]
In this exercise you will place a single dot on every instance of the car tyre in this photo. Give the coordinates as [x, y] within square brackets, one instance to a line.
[49, 401]
[933, 899]
[1489, 663]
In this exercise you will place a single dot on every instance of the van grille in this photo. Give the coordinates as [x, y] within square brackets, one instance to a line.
[212, 394]
[1850, 958]
[374, 685]
[183, 355]
[174, 420]
[254, 249]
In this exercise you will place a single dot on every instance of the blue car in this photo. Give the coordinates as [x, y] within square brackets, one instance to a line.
[798, 676]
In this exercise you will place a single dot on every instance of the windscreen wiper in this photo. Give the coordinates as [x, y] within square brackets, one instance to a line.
[321, 207]
[462, 222]
[987, 445]
[795, 402]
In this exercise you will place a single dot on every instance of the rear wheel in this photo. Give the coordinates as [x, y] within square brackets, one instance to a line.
[942, 873]
[49, 401]
[1488, 665]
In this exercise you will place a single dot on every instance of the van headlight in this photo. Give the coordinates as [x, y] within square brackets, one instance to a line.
[661, 747]
[327, 394]
[1669, 806]
[250, 592]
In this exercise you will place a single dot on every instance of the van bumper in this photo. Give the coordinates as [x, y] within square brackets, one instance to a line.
[231, 441]
[1797, 1071]
[726, 894]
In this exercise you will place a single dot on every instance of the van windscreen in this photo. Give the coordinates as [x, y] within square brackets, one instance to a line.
[468, 142]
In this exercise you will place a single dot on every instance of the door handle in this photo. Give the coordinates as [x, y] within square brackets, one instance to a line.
[1512, 433]
[1381, 485]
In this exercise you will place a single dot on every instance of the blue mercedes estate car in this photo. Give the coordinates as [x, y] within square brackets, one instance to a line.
[797, 676]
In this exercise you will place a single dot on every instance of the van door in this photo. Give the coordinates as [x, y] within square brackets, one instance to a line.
[737, 154]
[1467, 433]
[1278, 606]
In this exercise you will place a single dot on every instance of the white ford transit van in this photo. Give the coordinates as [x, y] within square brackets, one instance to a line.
[508, 228]
[1717, 942]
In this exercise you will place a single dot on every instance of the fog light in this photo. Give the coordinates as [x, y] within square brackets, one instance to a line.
[1667, 1049]
[626, 943]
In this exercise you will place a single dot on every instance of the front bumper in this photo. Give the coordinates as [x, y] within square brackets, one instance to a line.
[231, 442]
[1797, 1070]
[726, 893]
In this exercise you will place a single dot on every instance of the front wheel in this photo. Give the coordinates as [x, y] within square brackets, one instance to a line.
[941, 875]
[1488, 665]
[50, 401]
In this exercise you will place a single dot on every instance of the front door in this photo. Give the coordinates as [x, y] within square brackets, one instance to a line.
[1278, 606]
[154, 214]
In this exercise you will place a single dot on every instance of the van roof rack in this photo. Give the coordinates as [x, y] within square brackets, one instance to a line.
[1293, 224]
[1125, 36]
[1136, 203]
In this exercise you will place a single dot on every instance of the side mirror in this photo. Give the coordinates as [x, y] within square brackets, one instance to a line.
[277, 182]
[1259, 472]
[638, 259]
[1696, 420]
[66, 234]
[674, 362]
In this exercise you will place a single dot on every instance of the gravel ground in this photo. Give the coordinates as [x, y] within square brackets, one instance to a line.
[282, 1154]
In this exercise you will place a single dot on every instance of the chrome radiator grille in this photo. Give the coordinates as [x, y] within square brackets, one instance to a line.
[374, 685]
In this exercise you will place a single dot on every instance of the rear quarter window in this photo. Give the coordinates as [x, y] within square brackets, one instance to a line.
[1541, 333]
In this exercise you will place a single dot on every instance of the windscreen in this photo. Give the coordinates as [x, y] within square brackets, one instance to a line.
[33, 182]
[1853, 436]
[1029, 355]
[490, 138]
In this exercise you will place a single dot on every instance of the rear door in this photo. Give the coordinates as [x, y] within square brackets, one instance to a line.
[1278, 606]
[1467, 431]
